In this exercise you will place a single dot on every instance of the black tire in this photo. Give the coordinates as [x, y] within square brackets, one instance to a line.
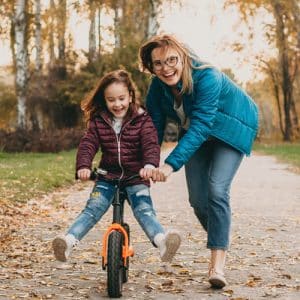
[115, 265]
[126, 269]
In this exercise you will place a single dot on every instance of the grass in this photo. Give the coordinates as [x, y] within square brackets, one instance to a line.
[27, 175]
[24, 176]
[284, 152]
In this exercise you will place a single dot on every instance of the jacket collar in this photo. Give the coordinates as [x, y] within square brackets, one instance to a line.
[106, 116]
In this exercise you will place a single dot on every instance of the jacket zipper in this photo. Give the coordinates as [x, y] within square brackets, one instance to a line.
[119, 153]
[119, 147]
[118, 138]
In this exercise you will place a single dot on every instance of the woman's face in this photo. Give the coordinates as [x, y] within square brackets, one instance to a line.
[117, 99]
[167, 65]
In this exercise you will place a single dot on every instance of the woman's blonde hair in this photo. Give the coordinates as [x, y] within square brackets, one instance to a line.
[94, 102]
[166, 41]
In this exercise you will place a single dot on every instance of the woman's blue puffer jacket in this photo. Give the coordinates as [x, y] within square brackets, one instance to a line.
[217, 107]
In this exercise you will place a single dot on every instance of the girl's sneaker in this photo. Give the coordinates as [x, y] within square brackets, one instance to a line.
[168, 244]
[63, 246]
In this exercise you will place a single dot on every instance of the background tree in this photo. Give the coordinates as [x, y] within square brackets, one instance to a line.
[49, 19]
[284, 34]
[38, 37]
[20, 21]
[48, 87]
[92, 31]
[153, 25]
[61, 10]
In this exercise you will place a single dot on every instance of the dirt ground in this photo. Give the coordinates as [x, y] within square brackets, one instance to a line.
[263, 262]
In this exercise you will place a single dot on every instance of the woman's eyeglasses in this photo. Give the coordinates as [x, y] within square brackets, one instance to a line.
[170, 62]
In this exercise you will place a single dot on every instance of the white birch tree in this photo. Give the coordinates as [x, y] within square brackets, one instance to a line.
[21, 78]
[153, 24]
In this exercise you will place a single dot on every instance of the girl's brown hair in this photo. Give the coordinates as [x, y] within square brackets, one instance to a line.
[166, 41]
[94, 102]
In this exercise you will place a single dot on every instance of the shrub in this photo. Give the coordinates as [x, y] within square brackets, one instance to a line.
[43, 141]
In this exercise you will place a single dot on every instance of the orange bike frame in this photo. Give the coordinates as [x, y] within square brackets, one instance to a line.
[126, 249]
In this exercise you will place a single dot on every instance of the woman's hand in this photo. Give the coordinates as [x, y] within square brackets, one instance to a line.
[161, 173]
[84, 174]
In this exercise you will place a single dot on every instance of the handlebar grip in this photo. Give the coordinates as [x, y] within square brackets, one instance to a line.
[97, 172]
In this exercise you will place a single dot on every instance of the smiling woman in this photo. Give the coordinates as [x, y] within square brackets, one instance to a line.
[218, 123]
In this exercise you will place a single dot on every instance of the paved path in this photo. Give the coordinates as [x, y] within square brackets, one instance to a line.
[263, 262]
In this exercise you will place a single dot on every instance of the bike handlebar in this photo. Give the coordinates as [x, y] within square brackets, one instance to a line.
[101, 172]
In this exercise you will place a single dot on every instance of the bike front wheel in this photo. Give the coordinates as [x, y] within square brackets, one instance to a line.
[115, 264]
[126, 268]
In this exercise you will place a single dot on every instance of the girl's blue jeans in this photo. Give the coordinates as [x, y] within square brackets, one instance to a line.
[100, 200]
[209, 174]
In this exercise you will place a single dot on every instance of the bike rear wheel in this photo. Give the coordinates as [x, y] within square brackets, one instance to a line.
[115, 265]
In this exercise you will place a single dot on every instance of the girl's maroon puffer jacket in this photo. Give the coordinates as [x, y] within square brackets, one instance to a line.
[123, 155]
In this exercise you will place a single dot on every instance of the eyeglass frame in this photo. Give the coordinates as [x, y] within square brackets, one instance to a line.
[166, 62]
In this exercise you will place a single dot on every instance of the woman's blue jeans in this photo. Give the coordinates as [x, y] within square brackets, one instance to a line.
[209, 174]
[100, 200]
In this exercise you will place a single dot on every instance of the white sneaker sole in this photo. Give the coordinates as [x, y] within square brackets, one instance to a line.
[217, 281]
[173, 241]
[59, 246]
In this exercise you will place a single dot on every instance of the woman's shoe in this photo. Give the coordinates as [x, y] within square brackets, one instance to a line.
[216, 279]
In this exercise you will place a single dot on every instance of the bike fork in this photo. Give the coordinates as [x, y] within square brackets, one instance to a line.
[127, 251]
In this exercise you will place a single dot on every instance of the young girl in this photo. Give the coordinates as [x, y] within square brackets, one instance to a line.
[128, 140]
[218, 122]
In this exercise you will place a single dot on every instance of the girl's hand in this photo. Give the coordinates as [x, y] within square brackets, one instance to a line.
[84, 174]
[161, 173]
[146, 173]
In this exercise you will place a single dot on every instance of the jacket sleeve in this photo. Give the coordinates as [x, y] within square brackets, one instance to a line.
[206, 93]
[88, 147]
[154, 107]
[149, 142]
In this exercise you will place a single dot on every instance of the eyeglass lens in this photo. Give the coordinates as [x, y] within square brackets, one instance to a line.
[170, 62]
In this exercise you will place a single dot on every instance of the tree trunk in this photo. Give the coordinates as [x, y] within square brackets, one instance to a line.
[99, 31]
[92, 32]
[51, 35]
[61, 21]
[284, 66]
[275, 82]
[21, 60]
[117, 21]
[38, 37]
[153, 24]
[296, 15]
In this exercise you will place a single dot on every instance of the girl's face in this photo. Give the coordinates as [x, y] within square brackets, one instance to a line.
[167, 65]
[117, 99]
